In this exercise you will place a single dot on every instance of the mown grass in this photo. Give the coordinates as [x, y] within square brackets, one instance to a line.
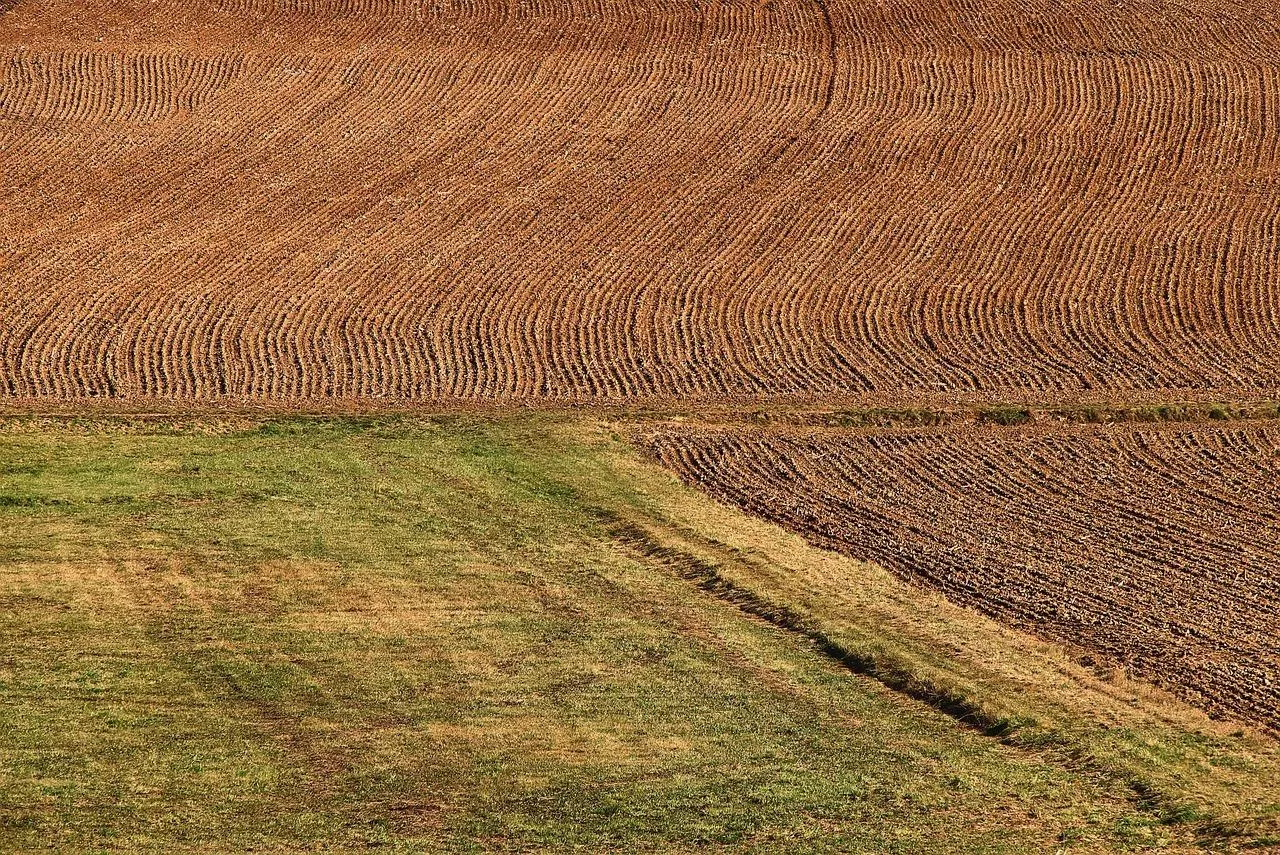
[425, 635]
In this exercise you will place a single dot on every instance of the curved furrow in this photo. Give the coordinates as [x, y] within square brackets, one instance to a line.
[596, 199]
[1158, 547]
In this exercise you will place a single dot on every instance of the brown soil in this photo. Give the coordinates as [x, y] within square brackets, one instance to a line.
[411, 199]
[1153, 547]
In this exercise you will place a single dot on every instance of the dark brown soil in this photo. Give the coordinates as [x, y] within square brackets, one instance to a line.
[1153, 547]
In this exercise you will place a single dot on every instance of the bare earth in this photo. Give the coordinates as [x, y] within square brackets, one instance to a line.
[1156, 547]
[307, 199]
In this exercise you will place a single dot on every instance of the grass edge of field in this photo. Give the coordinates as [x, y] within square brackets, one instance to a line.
[1220, 778]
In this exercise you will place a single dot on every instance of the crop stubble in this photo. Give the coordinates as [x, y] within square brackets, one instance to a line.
[1157, 547]
[302, 199]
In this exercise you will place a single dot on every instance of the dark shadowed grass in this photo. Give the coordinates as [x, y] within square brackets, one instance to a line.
[423, 635]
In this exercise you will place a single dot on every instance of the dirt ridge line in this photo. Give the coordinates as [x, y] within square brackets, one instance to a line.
[747, 411]
[1012, 414]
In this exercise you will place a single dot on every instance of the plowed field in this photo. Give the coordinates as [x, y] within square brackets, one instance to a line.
[1157, 548]
[436, 199]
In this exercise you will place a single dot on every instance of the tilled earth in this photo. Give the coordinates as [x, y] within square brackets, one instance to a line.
[1153, 547]
[305, 200]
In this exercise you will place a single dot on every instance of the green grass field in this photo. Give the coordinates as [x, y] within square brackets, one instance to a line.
[429, 635]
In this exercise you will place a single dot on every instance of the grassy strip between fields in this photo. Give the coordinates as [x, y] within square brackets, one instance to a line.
[1007, 414]
[459, 634]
